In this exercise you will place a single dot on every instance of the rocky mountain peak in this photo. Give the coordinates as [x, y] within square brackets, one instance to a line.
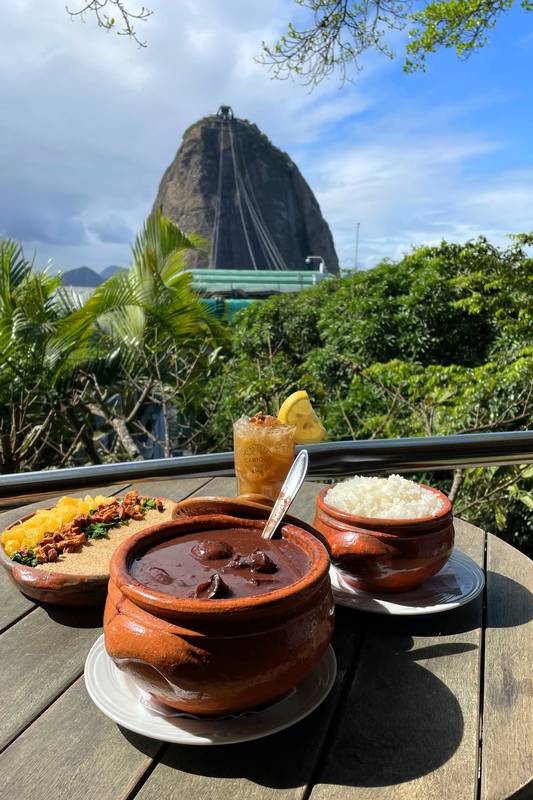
[229, 183]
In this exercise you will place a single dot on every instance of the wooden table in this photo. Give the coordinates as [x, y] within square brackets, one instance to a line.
[428, 707]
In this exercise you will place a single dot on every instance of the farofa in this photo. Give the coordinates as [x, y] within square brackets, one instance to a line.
[85, 544]
[94, 557]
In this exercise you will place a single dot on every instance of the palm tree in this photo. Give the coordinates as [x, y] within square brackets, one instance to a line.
[31, 308]
[79, 373]
[150, 305]
[135, 339]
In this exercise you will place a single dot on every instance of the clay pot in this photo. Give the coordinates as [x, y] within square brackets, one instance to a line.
[223, 656]
[53, 587]
[387, 555]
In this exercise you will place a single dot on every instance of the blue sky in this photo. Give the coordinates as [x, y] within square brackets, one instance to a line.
[90, 122]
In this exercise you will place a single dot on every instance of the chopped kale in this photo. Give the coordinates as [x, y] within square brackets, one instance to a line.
[28, 559]
[97, 530]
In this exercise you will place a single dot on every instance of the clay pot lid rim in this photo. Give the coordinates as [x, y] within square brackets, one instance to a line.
[386, 521]
[246, 504]
[244, 500]
[140, 593]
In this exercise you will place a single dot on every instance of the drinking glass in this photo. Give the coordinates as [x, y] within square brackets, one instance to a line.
[264, 452]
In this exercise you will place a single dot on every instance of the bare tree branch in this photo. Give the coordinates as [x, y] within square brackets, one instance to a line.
[105, 10]
[458, 477]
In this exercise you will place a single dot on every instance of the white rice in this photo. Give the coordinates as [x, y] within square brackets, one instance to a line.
[383, 498]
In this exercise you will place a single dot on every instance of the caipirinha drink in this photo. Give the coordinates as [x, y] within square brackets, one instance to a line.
[264, 452]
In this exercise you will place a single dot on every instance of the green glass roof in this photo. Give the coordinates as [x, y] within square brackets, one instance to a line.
[254, 280]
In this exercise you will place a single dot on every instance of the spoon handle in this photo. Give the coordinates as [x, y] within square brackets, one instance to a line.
[289, 490]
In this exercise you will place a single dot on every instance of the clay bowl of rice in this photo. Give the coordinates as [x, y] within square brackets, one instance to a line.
[386, 534]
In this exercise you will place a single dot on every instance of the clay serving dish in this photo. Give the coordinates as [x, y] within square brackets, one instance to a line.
[219, 656]
[387, 555]
[63, 589]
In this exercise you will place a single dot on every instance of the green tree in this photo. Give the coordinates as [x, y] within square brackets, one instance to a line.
[438, 343]
[31, 309]
[334, 34]
[142, 338]
[84, 380]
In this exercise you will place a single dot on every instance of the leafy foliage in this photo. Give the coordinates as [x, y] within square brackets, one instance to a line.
[437, 343]
[30, 311]
[113, 15]
[79, 378]
[334, 34]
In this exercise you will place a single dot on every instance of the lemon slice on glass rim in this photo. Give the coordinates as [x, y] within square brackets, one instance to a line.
[298, 411]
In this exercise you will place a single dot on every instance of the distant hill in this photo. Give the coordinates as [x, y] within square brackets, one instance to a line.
[112, 269]
[82, 276]
[87, 277]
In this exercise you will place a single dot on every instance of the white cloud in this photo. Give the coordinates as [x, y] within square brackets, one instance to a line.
[112, 229]
[414, 186]
[92, 121]
[95, 117]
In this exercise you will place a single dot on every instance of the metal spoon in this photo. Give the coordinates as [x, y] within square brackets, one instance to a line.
[289, 490]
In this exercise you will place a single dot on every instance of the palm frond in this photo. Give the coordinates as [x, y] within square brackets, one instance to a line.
[124, 327]
[35, 296]
[151, 306]
[74, 331]
[159, 249]
[14, 267]
[68, 300]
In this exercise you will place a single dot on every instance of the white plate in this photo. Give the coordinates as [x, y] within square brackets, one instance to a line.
[457, 583]
[119, 698]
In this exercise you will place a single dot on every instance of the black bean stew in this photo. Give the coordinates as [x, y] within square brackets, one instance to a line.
[230, 563]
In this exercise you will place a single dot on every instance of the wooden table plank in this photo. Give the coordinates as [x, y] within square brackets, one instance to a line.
[41, 656]
[174, 488]
[217, 487]
[402, 721]
[74, 752]
[302, 507]
[14, 604]
[410, 727]
[121, 771]
[121, 758]
[507, 756]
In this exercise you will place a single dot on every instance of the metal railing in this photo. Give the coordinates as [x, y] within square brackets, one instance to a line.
[327, 460]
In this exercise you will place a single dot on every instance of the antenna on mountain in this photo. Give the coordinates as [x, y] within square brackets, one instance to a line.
[225, 112]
